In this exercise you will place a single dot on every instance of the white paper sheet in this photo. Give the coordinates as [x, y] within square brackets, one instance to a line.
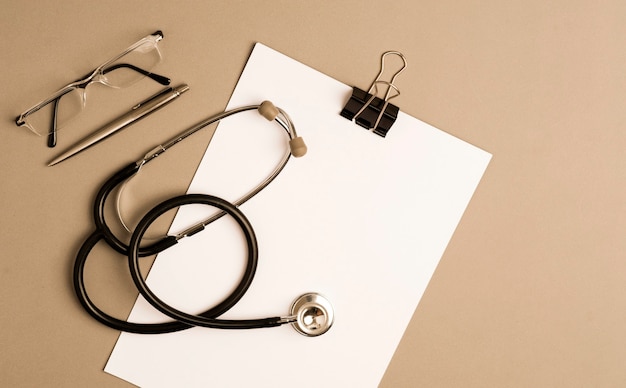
[361, 219]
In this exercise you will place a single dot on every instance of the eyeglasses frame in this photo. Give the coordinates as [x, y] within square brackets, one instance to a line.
[91, 77]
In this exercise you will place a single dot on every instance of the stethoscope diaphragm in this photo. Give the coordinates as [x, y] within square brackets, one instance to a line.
[313, 314]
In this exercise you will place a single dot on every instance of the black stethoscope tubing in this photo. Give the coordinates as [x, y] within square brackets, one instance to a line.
[134, 251]
[237, 294]
[101, 316]
[182, 320]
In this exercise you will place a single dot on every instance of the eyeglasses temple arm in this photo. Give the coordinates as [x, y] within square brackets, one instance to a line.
[158, 78]
[52, 134]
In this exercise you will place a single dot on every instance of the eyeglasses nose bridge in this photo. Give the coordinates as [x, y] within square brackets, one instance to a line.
[82, 90]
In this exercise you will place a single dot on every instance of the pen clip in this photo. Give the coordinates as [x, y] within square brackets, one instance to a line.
[162, 92]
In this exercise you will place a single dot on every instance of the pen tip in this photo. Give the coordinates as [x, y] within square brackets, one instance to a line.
[59, 159]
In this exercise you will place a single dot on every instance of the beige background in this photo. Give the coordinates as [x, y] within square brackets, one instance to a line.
[531, 290]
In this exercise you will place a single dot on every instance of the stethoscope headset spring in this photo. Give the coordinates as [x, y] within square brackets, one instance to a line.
[310, 314]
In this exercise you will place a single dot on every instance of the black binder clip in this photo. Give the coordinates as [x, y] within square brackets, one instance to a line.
[371, 112]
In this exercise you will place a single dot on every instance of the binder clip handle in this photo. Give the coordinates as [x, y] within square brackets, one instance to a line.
[372, 112]
[382, 69]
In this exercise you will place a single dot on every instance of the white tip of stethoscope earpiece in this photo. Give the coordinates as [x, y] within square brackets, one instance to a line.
[268, 110]
[297, 146]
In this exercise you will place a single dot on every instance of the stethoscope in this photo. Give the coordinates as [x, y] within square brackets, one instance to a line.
[310, 314]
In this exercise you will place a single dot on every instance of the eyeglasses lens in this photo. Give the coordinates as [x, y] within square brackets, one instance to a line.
[132, 67]
[123, 72]
[68, 106]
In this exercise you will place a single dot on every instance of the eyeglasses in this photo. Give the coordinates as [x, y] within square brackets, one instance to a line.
[122, 70]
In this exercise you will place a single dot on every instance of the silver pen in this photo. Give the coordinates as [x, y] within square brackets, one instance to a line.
[137, 112]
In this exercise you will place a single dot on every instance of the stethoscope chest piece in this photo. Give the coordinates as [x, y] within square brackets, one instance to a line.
[313, 314]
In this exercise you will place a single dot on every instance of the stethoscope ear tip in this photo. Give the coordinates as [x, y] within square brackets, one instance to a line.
[297, 146]
[313, 314]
